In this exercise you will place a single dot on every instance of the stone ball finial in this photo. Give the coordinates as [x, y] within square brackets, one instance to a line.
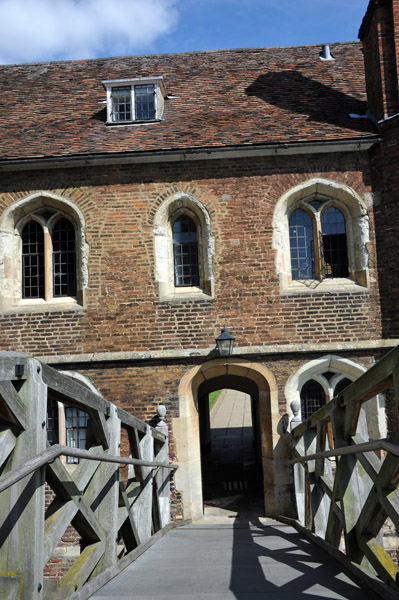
[161, 411]
[295, 407]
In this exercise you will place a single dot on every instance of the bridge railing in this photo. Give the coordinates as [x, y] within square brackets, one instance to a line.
[346, 485]
[115, 506]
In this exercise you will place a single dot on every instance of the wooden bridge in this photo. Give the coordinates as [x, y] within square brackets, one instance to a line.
[115, 504]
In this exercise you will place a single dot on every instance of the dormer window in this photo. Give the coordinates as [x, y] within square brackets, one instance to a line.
[134, 100]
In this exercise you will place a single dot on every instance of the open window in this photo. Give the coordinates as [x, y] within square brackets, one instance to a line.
[318, 242]
[321, 234]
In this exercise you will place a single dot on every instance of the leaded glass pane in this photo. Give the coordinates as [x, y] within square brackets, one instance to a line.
[185, 251]
[121, 104]
[334, 243]
[32, 260]
[341, 385]
[52, 421]
[76, 430]
[301, 245]
[64, 259]
[312, 398]
[144, 101]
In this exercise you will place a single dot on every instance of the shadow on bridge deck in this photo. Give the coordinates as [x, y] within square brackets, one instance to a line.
[260, 560]
[233, 552]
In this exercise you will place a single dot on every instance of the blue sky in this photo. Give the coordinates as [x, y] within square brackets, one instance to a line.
[42, 30]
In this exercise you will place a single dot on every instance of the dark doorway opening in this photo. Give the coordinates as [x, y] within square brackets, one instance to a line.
[230, 446]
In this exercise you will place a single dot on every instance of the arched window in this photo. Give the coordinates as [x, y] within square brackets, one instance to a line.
[185, 252]
[313, 397]
[43, 244]
[56, 276]
[321, 234]
[184, 249]
[318, 244]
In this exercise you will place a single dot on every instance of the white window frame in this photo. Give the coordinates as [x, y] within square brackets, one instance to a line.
[159, 92]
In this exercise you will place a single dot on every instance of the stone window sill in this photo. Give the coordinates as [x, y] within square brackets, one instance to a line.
[38, 305]
[334, 285]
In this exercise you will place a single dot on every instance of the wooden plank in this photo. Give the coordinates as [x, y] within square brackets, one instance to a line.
[380, 561]
[7, 444]
[12, 408]
[22, 506]
[72, 392]
[127, 522]
[373, 381]
[58, 517]
[98, 582]
[100, 428]
[129, 420]
[347, 450]
[79, 572]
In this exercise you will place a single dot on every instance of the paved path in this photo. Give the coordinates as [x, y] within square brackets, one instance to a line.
[233, 552]
[259, 561]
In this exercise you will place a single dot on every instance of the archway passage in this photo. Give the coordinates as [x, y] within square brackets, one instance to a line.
[242, 375]
[232, 480]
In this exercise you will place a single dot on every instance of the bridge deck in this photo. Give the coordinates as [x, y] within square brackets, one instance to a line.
[262, 560]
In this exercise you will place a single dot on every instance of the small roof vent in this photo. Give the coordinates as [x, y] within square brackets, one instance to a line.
[325, 53]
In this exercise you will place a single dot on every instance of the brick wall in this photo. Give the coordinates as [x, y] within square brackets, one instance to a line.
[379, 33]
[123, 311]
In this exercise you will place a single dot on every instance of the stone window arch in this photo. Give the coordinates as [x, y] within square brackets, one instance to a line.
[333, 374]
[198, 249]
[320, 234]
[44, 254]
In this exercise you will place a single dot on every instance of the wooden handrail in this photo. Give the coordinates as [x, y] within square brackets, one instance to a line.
[355, 449]
[50, 454]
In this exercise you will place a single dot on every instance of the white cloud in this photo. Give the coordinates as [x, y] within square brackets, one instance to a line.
[37, 30]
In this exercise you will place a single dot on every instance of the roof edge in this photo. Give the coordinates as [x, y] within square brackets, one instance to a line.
[190, 154]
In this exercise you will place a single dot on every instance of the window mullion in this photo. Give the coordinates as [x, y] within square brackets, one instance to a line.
[133, 103]
[48, 266]
[318, 250]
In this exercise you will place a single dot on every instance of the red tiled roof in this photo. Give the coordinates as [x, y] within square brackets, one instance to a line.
[222, 98]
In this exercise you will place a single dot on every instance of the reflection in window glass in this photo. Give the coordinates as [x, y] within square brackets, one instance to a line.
[121, 104]
[32, 260]
[144, 101]
[185, 251]
[76, 430]
[301, 245]
[64, 259]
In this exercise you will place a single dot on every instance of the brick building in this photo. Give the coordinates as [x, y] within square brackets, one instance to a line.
[148, 201]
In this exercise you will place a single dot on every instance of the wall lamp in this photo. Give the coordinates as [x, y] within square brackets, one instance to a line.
[225, 343]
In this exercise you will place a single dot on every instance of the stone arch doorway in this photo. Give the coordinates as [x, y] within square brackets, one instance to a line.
[231, 453]
[252, 378]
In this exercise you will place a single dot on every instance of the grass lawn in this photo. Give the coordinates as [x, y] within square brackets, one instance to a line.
[213, 396]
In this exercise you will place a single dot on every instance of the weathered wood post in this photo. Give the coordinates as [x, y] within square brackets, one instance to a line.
[143, 503]
[162, 476]
[103, 494]
[23, 400]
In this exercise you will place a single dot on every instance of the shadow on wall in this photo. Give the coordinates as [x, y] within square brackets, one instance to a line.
[293, 92]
